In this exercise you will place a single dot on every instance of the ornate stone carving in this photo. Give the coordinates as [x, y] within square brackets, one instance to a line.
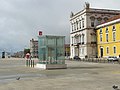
[87, 5]
[71, 15]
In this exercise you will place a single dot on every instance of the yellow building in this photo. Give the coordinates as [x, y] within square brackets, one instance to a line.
[108, 38]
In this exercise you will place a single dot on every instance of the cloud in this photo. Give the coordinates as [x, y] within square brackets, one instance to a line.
[20, 20]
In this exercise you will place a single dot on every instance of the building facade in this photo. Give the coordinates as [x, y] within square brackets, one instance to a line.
[108, 38]
[67, 50]
[83, 34]
[34, 48]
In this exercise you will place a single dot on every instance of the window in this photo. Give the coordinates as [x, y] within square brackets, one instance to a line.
[100, 37]
[106, 34]
[113, 28]
[107, 37]
[83, 23]
[92, 18]
[80, 24]
[82, 38]
[101, 31]
[114, 49]
[74, 26]
[77, 24]
[107, 30]
[107, 50]
[82, 50]
[114, 36]
[92, 23]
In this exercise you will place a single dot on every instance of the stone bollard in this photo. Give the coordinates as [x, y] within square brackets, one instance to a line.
[33, 63]
[26, 62]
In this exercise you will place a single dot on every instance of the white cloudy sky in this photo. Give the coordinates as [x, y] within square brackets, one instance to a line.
[20, 20]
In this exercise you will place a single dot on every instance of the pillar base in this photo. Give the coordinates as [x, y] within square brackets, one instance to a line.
[51, 66]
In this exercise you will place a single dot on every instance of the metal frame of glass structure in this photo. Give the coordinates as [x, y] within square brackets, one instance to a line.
[51, 49]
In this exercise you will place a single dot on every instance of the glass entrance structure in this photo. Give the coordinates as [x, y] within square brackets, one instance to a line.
[51, 49]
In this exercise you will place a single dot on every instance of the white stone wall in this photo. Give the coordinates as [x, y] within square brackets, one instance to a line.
[95, 16]
[34, 48]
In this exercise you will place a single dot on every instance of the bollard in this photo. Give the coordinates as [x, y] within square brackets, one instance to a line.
[33, 63]
[29, 63]
[26, 62]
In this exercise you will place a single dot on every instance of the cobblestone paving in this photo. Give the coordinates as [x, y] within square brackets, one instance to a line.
[78, 76]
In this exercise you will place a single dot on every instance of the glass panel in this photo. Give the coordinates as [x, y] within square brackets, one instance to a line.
[51, 51]
[51, 41]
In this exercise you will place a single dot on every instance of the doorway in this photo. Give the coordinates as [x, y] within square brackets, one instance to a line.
[101, 52]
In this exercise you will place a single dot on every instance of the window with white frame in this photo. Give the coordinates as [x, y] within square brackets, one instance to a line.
[107, 50]
[107, 34]
[80, 24]
[79, 38]
[92, 18]
[74, 26]
[114, 36]
[83, 23]
[92, 24]
[83, 50]
[101, 35]
[77, 24]
[82, 37]
[114, 50]
[101, 31]
[114, 28]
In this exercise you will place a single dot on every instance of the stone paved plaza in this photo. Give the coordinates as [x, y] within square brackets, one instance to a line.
[78, 76]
